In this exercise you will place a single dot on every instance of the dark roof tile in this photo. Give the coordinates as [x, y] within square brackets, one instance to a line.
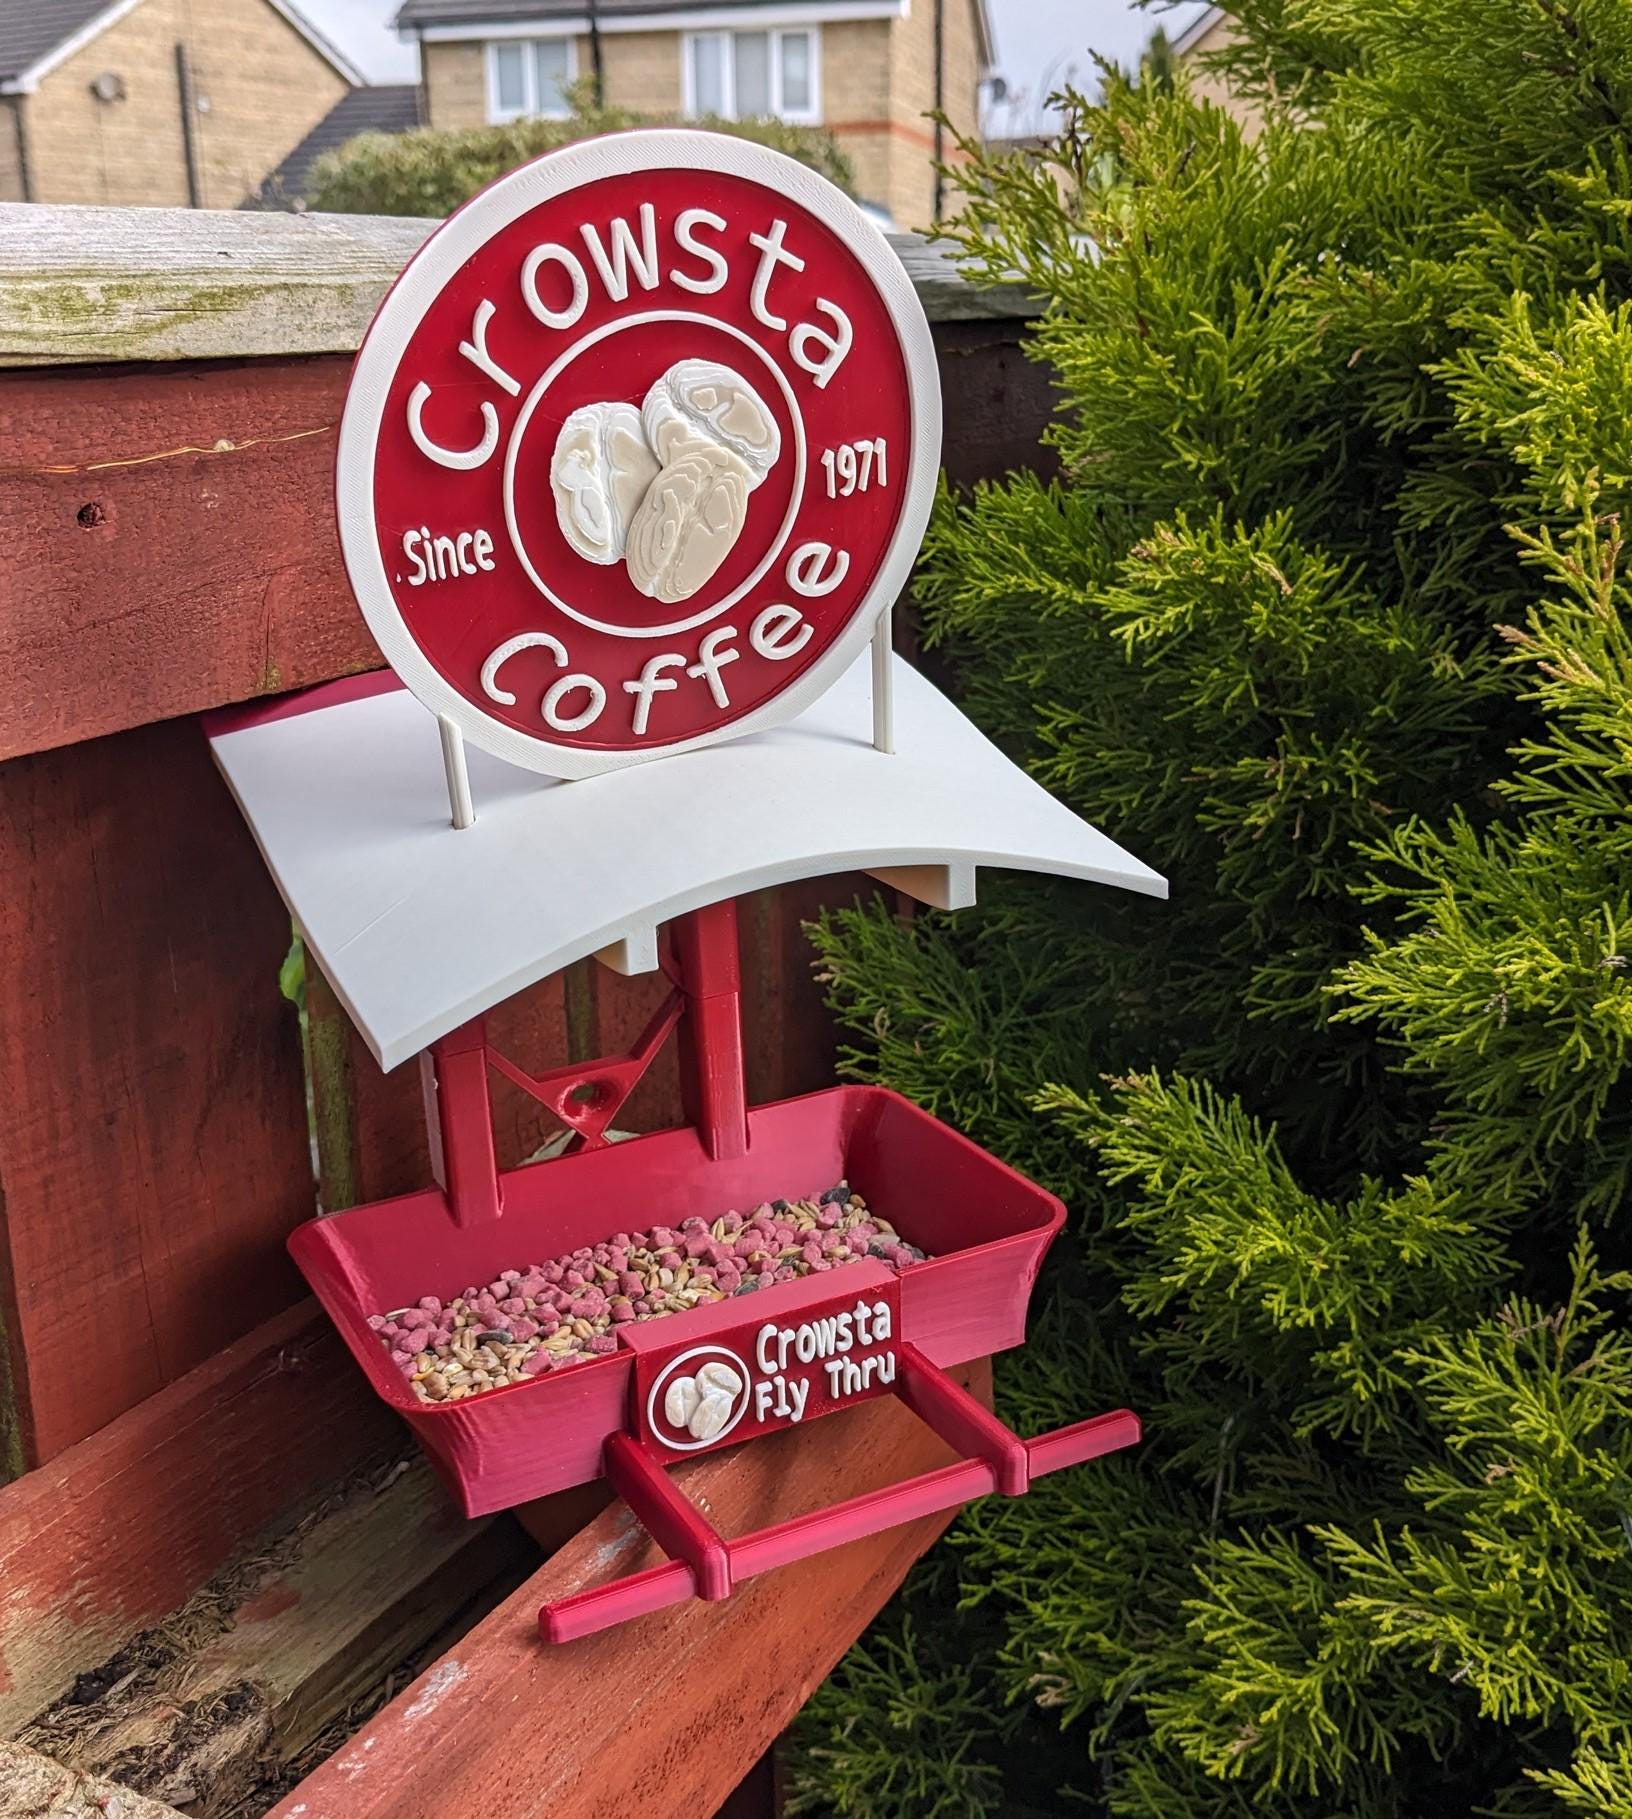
[32, 29]
[384, 108]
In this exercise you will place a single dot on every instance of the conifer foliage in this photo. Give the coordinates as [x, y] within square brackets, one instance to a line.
[1328, 616]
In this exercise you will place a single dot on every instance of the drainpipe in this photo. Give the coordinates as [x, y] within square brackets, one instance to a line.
[940, 103]
[19, 126]
[423, 106]
[597, 70]
[189, 126]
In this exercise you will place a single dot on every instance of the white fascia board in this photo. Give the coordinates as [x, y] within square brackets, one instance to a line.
[325, 48]
[29, 79]
[563, 27]
[988, 42]
[676, 19]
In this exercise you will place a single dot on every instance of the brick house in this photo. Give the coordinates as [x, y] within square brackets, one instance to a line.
[867, 70]
[157, 101]
[1214, 30]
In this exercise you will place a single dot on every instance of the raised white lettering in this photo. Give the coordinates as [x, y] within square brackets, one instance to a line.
[685, 231]
[449, 457]
[837, 345]
[809, 572]
[475, 350]
[772, 633]
[625, 253]
[711, 659]
[446, 558]
[649, 682]
[573, 723]
[523, 641]
[550, 253]
[773, 255]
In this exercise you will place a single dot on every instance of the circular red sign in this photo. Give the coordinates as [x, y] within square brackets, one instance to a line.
[636, 450]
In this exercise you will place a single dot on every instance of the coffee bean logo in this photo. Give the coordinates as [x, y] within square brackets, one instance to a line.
[698, 1398]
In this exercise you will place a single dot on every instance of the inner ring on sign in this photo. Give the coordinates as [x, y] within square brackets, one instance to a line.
[795, 498]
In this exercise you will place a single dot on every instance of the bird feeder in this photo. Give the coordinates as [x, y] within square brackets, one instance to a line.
[638, 452]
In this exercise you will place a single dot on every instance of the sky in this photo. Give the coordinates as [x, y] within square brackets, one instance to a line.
[1040, 43]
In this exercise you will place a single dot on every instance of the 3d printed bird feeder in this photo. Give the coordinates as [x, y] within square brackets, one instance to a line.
[638, 452]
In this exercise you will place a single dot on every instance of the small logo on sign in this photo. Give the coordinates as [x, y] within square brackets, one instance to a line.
[698, 1398]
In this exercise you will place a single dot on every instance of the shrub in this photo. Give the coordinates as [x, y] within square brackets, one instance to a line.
[1326, 616]
[431, 171]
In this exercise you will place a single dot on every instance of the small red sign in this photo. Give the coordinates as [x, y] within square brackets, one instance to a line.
[636, 449]
[777, 1358]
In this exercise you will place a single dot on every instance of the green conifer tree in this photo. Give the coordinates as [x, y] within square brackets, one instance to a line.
[1327, 616]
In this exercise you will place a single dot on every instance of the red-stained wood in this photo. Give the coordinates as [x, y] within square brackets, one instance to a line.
[153, 1148]
[378, 1138]
[379, 1146]
[622, 1008]
[170, 534]
[998, 401]
[121, 1529]
[788, 1036]
[531, 1029]
[170, 543]
[661, 1715]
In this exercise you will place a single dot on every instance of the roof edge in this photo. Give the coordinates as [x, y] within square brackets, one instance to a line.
[25, 81]
[326, 48]
[432, 28]
[1196, 30]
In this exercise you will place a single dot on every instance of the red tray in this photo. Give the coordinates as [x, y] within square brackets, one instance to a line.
[986, 1228]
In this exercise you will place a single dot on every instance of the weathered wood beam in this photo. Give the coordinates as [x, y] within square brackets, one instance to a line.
[32, 1786]
[122, 1529]
[261, 1660]
[685, 1699]
[81, 285]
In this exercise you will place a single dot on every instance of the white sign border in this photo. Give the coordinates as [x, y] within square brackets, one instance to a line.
[422, 281]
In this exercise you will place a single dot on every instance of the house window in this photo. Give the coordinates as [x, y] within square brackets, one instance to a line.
[738, 75]
[528, 78]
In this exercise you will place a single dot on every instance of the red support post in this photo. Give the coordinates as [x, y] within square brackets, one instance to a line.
[711, 1065]
[963, 1422]
[462, 1134]
[672, 1520]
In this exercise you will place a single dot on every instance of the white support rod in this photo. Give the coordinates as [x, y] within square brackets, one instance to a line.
[460, 805]
[884, 683]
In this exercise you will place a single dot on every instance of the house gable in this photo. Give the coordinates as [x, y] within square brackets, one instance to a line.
[172, 102]
[37, 39]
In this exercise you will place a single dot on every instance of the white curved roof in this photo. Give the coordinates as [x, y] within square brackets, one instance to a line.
[420, 926]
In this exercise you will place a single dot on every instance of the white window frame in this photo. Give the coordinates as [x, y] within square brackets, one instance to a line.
[501, 116]
[806, 116]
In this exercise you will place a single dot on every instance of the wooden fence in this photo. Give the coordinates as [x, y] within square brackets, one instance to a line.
[173, 382]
